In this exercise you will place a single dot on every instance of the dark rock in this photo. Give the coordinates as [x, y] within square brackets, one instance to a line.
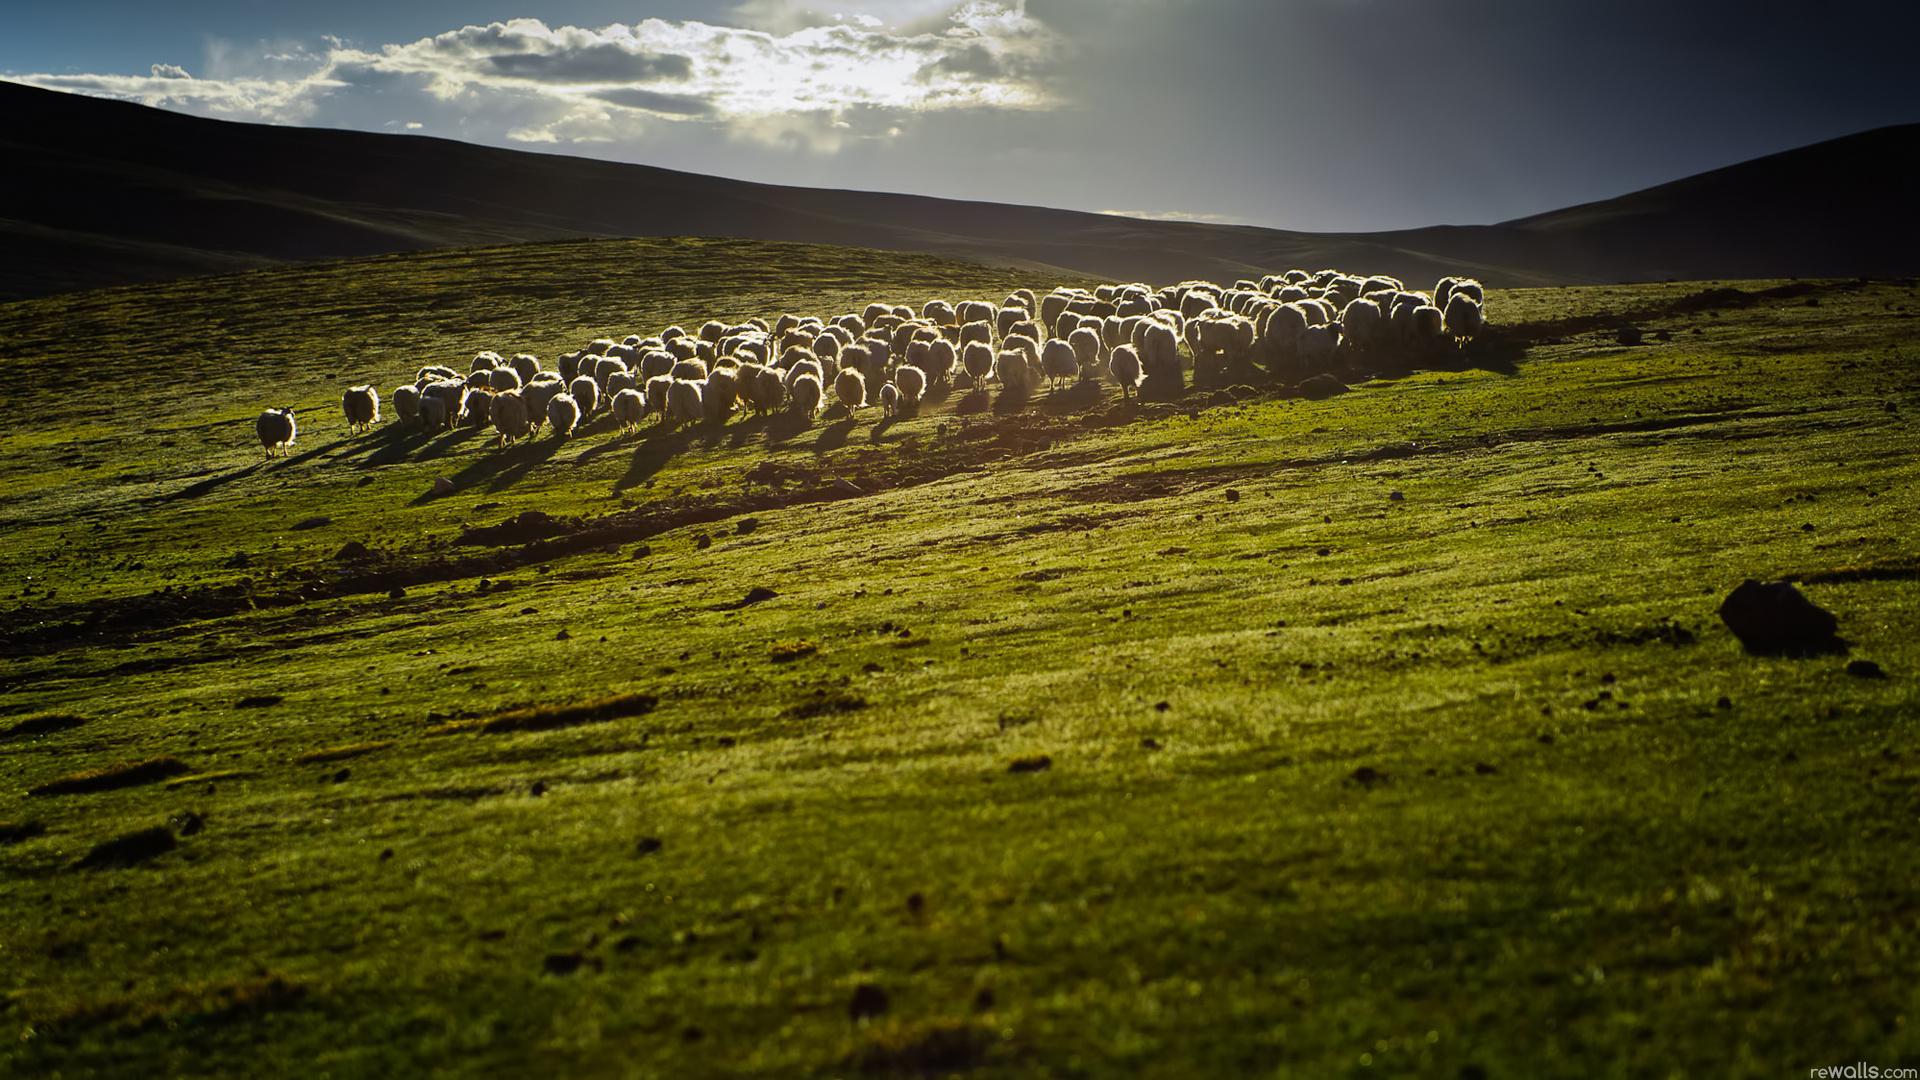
[568, 963]
[868, 1001]
[1394, 496]
[1233, 495]
[1367, 776]
[1321, 387]
[396, 593]
[648, 845]
[1627, 335]
[1774, 619]
[1037, 763]
[746, 525]
[352, 551]
[702, 541]
[311, 523]
[563, 636]
[538, 789]
[1149, 743]
[1865, 669]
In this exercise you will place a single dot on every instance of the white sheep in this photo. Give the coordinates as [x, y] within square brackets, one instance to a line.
[912, 382]
[406, 403]
[718, 396]
[850, 388]
[1058, 360]
[804, 395]
[690, 371]
[361, 406]
[889, 400]
[276, 429]
[503, 378]
[1463, 316]
[1159, 346]
[658, 389]
[938, 312]
[485, 361]
[510, 416]
[563, 413]
[684, 404]
[1004, 319]
[629, 408]
[1011, 370]
[433, 413]
[941, 357]
[526, 365]
[1124, 365]
[544, 388]
[977, 359]
[585, 394]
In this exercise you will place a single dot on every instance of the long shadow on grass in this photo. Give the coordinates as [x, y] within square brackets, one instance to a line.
[502, 468]
[653, 453]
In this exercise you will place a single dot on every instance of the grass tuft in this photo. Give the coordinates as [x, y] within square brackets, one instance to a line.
[113, 777]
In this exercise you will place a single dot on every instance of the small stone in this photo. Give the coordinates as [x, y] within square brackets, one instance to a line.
[563, 636]
[1394, 496]
[1865, 669]
[1233, 495]
[647, 845]
[538, 789]
[868, 1001]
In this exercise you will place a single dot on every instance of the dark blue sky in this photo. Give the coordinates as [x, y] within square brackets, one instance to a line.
[1316, 114]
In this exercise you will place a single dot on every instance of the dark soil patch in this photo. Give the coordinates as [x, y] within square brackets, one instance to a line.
[129, 850]
[550, 717]
[13, 832]
[42, 724]
[113, 777]
[941, 1051]
[827, 705]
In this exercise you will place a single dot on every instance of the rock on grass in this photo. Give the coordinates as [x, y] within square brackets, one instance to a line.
[1774, 619]
[124, 775]
[549, 717]
[1036, 763]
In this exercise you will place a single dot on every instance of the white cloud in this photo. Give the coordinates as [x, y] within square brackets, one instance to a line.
[814, 83]
[1173, 215]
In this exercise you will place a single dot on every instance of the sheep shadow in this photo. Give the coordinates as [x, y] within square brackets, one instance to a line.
[653, 453]
[1011, 400]
[211, 484]
[835, 435]
[502, 469]
[973, 403]
[391, 446]
[784, 427]
[1078, 397]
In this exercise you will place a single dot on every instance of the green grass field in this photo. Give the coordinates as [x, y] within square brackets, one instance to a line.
[1388, 734]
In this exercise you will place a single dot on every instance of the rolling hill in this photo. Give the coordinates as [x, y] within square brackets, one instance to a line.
[103, 192]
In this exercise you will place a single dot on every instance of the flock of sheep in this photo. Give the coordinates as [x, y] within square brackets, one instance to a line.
[1292, 325]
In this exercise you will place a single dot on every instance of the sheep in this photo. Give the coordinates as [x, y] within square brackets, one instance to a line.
[684, 348]
[689, 371]
[276, 429]
[850, 387]
[478, 408]
[361, 406]
[684, 404]
[1087, 347]
[510, 416]
[718, 396]
[975, 332]
[1362, 322]
[938, 312]
[977, 359]
[598, 347]
[805, 367]
[1124, 365]
[658, 389]
[1004, 319]
[478, 380]
[485, 361]
[672, 332]
[803, 396]
[770, 390]
[912, 383]
[604, 369]
[434, 373]
[451, 396]
[656, 362]
[1428, 324]
[1317, 345]
[564, 414]
[503, 378]
[1057, 359]
[941, 357]
[538, 393]
[1463, 316]
[433, 413]
[1159, 346]
[629, 408]
[972, 311]
[585, 393]
[621, 380]
[406, 403]
[889, 400]
[1011, 369]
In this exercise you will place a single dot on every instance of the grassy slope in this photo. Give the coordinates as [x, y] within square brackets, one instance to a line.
[1561, 873]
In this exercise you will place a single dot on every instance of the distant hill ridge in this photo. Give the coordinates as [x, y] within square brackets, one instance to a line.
[100, 192]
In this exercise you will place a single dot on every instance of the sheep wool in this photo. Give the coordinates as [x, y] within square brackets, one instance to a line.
[406, 403]
[276, 430]
[912, 383]
[658, 388]
[1124, 366]
[510, 416]
[585, 393]
[850, 388]
[563, 413]
[503, 378]
[629, 408]
[889, 400]
[361, 406]
[1057, 359]
[684, 405]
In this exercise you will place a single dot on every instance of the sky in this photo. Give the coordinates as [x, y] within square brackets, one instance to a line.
[1322, 115]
